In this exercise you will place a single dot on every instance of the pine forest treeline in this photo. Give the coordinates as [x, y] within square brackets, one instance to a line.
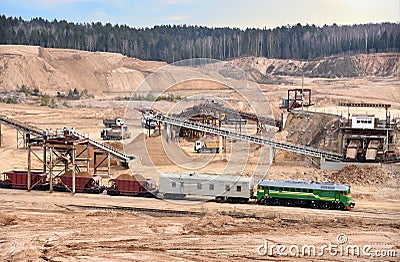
[173, 43]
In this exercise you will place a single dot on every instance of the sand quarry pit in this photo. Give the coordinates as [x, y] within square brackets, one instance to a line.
[39, 226]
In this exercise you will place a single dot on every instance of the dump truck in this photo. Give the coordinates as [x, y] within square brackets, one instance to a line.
[109, 123]
[352, 149]
[233, 120]
[372, 149]
[148, 123]
[115, 129]
[212, 146]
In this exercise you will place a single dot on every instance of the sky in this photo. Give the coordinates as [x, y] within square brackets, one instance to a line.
[212, 13]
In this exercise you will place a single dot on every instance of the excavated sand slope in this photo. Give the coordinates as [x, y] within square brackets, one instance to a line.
[53, 70]
[382, 64]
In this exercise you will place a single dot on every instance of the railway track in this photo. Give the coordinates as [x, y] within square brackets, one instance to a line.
[150, 211]
[152, 207]
[269, 212]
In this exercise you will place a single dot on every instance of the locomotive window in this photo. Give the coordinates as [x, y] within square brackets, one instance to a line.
[227, 188]
[239, 188]
[291, 189]
[304, 190]
[199, 186]
[310, 191]
[286, 189]
[173, 184]
[211, 186]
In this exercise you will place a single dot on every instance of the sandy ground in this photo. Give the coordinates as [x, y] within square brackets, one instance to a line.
[39, 226]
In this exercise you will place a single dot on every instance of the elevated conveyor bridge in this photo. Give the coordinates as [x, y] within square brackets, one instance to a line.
[305, 150]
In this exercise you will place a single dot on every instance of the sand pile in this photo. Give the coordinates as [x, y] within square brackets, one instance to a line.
[360, 176]
[80, 174]
[209, 224]
[116, 145]
[129, 177]
[6, 220]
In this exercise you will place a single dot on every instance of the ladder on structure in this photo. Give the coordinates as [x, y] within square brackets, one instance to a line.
[305, 150]
[106, 148]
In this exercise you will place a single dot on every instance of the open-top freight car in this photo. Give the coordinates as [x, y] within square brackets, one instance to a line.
[84, 183]
[127, 185]
[238, 189]
[305, 194]
[18, 179]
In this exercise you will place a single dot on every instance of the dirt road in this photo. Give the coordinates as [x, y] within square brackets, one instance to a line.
[39, 226]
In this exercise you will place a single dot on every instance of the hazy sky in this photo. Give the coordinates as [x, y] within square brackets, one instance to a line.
[212, 13]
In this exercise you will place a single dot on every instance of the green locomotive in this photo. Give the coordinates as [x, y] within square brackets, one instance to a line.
[305, 194]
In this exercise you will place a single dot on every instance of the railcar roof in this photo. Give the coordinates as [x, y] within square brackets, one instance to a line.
[207, 177]
[304, 184]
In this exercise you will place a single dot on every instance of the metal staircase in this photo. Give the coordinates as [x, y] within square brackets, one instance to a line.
[305, 150]
[106, 148]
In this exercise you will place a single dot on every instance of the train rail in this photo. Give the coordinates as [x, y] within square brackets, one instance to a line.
[150, 211]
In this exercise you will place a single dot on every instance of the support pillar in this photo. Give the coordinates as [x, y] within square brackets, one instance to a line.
[1, 136]
[168, 132]
[73, 160]
[51, 169]
[94, 162]
[271, 155]
[221, 148]
[44, 158]
[109, 164]
[224, 149]
[29, 168]
[88, 158]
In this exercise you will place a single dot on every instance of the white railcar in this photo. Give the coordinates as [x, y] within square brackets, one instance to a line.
[224, 187]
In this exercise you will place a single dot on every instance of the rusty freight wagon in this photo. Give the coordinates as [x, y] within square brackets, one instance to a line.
[127, 185]
[18, 179]
[84, 183]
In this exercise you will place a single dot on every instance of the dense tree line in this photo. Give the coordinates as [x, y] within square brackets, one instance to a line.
[173, 43]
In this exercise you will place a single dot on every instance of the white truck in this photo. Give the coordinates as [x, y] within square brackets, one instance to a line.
[201, 146]
[115, 129]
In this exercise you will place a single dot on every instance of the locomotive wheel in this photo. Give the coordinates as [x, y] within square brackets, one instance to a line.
[340, 206]
[326, 205]
[263, 201]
